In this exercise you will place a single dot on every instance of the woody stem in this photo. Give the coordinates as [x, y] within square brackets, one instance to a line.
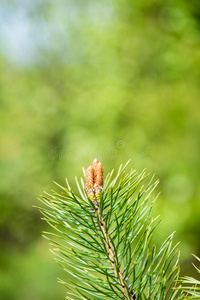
[111, 255]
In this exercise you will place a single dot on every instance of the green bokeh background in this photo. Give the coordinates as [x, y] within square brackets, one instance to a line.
[115, 80]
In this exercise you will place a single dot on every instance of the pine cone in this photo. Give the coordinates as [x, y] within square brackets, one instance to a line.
[94, 165]
[89, 181]
[94, 179]
[99, 178]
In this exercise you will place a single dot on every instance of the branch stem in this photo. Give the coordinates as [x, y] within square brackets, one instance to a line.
[110, 248]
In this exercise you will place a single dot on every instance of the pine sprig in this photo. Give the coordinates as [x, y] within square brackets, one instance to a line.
[102, 239]
[190, 287]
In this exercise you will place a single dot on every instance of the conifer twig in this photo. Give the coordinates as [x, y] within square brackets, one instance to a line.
[93, 186]
[102, 239]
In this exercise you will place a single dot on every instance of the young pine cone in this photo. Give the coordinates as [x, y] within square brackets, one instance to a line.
[89, 181]
[94, 179]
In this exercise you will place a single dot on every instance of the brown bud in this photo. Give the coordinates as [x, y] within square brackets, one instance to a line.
[94, 165]
[89, 181]
[94, 178]
[99, 178]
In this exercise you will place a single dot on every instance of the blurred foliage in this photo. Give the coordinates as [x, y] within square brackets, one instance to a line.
[83, 79]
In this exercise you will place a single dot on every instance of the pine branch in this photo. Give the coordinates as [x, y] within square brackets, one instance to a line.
[103, 239]
[94, 184]
[190, 287]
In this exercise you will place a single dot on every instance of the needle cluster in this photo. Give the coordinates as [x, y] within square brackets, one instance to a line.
[102, 237]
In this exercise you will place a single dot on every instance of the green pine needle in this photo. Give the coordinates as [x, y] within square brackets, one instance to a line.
[105, 245]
